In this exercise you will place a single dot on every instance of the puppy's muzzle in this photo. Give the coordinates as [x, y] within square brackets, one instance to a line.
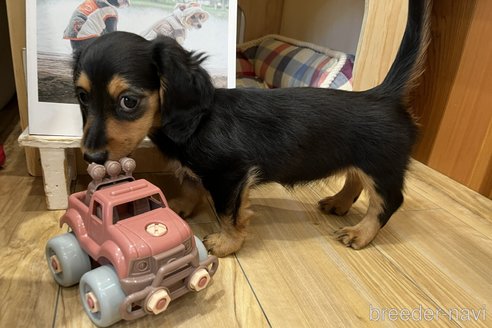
[98, 157]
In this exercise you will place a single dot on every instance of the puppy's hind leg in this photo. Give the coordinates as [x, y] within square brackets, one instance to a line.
[341, 202]
[385, 197]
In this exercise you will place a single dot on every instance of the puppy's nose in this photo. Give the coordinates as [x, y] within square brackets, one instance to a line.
[98, 157]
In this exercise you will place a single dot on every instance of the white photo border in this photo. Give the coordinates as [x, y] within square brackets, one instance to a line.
[63, 119]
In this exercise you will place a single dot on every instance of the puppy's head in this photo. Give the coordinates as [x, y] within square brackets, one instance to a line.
[196, 20]
[192, 15]
[123, 82]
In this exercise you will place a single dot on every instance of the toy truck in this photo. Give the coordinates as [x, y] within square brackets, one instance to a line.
[129, 252]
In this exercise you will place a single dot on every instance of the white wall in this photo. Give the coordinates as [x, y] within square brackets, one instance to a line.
[334, 24]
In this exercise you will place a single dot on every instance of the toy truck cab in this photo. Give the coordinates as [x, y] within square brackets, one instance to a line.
[145, 249]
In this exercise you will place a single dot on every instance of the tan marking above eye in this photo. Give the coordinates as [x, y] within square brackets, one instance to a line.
[83, 82]
[117, 85]
[124, 136]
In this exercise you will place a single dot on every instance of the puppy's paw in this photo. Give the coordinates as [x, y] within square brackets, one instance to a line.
[336, 205]
[182, 207]
[354, 237]
[222, 244]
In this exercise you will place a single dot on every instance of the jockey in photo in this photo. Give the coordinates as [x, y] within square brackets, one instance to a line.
[91, 19]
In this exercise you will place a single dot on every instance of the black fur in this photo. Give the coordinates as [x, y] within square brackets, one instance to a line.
[290, 136]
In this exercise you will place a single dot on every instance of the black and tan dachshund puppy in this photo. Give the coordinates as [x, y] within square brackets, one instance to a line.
[233, 139]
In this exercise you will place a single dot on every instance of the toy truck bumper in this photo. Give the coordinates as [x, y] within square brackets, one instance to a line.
[156, 297]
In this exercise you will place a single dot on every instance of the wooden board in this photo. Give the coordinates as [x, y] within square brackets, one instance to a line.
[28, 295]
[436, 252]
[17, 29]
[262, 17]
[382, 30]
[453, 101]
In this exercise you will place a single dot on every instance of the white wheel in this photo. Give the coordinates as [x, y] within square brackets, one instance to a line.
[101, 295]
[199, 280]
[66, 259]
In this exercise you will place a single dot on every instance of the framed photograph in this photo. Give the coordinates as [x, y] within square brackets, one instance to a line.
[57, 28]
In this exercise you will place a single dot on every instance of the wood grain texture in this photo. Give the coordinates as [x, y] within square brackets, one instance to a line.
[382, 30]
[17, 30]
[436, 252]
[453, 101]
[450, 22]
[463, 144]
[28, 297]
[262, 17]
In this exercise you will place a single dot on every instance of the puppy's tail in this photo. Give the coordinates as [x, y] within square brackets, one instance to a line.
[409, 62]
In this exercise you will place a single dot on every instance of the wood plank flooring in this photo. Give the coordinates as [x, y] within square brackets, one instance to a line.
[433, 259]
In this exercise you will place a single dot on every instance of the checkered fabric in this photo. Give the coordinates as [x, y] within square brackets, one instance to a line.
[283, 62]
[244, 65]
[343, 80]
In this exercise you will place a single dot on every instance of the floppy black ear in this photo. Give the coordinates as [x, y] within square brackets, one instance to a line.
[187, 88]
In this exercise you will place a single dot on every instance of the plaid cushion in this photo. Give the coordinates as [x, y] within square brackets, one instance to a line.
[343, 80]
[281, 64]
[244, 65]
[250, 82]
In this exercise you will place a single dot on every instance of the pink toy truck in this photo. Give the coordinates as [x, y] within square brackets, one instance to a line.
[144, 254]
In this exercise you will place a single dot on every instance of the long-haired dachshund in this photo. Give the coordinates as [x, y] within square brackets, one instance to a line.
[234, 139]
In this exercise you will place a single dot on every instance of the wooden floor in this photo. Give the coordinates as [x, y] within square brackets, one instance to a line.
[435, 253]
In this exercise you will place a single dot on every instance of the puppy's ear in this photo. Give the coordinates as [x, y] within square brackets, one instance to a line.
[187, 88]
[181, 6]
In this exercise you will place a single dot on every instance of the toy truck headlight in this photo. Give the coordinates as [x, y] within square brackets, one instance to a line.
[142, 266]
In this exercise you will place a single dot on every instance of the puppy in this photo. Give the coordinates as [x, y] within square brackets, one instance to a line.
[234, 139]
[185, 16]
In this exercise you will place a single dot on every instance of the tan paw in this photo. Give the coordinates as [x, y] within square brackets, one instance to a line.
[355, 237]
[222, 244]
[336, 205]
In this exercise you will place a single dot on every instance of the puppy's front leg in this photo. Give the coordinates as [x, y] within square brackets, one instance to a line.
[191, 195]
[233, 228]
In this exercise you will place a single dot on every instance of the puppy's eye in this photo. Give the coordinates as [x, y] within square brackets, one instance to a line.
[83, 97]
[128, 103]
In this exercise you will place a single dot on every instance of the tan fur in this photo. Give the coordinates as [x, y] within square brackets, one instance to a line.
[89, 122]
[117, 86]
[83, 82]
[192, 194]
[340, 203]
[123, 136]
[232, 236]
[419, 65]
[162, 94]
[363, 233]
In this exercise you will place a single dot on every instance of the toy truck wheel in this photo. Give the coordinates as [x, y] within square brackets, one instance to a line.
[199, 280]
[66, 259]
[101, 295]
[202, 251]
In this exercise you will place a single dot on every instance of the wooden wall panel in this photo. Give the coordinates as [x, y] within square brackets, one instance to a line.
[451, 21]
[332, 24]
[454, 102]
[382, 30]
[17, 29]
[262, 17]
[463, 145]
